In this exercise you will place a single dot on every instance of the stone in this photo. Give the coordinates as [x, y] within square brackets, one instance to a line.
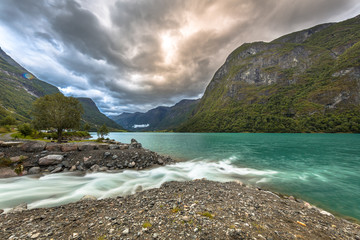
[33, 146]
[34, 170]
[73, 168]
[103, 146]
[131, 165]
[2, 154]
[103, 169]
[1, 211]
[126, 231]
[88, 197]
[35, 235]
[51, 160]
[69, 148]
[10, 144]
[186, 218]
[106, 154]
[19, 208]
[160, 161]
[7, 172]
[86, 147]
[114, 157]
[111, 231]
[65, 163]
[53, 147]
[124, 147]
[113, 146]
[56, 170]
[18, 158]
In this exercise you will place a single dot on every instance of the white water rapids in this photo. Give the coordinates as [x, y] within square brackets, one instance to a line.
[59, 189]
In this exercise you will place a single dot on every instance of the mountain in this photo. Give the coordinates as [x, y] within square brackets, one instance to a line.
[19, 88]
[160, 118]
[307, 81]
[94, 117]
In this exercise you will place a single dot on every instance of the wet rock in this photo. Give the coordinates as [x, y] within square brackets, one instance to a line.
[7, 172]
[34, 170]
[19, 208]
[50, 160]
[33, 146]
[88, 197]
[56, 170]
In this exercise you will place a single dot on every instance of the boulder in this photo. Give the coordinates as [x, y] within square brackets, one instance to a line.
[18, 158]
[124, 146]
[7, 172]
[10, 144]
[73, 168]
[86, 147]
[34, 170]
[56, 170]
[95, 168]
[69, 147]
[102, 146]
[113, 146]
[53, 147]
[51, 160]
[33, 146]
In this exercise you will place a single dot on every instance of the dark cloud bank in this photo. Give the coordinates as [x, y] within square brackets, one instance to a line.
[132, 55]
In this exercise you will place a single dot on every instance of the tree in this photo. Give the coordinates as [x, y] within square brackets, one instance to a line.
[103, 131]
[8, 120]
[57, 111]
[87, 127]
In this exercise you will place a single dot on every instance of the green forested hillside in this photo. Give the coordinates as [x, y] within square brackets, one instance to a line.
[19, 88]
[308, 81]
[94, 117]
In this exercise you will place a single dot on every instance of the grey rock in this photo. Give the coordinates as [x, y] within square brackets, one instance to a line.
[56, 170]
[126, 231]
[7, 172]
[103, 169]
[106, 154]
[113, 146]
[34, 170]
[86, 147]
[33, 146]
[2, 154]
[65, 163]
[114, 157]
[50, 160]
[19, 208]
[160, 161]
[10, 144]
[95, 168]
[131, 165]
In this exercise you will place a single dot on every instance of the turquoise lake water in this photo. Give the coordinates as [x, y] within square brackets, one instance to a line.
[323, 169]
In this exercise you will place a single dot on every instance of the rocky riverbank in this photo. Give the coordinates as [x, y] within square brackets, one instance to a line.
[197, 209]
[38, 157]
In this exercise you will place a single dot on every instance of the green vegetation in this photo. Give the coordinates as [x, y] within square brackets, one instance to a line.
[26, 129]
[316, 89]
[103, 131]
[147, 225]
[206, 214]
[57, 111]
[8, 120]
[5, 162]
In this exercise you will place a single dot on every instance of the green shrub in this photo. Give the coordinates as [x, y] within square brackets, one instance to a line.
[26, 129]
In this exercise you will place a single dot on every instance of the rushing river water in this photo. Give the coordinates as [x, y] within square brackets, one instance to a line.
[323, 169]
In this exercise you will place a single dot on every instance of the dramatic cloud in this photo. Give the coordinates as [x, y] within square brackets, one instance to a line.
[133, 55]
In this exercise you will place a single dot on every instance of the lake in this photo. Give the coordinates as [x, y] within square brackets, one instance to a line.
[323, 169]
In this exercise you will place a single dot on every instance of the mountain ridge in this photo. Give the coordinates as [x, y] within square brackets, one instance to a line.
[306, 81]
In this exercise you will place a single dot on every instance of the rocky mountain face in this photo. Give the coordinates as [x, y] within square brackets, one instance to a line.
[19, 88]
[307, 81]
[94, 117]
[160, 118]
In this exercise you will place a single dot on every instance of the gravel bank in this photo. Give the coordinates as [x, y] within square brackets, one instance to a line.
[197, 209]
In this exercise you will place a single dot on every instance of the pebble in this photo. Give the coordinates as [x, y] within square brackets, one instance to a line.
[126, 231]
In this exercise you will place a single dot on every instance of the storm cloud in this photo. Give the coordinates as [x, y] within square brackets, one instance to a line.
[133, 55]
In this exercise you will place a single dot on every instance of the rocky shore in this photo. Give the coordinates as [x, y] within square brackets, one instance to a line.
[38, 157]
[197, 209]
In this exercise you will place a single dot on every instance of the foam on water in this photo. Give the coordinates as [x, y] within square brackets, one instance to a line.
[58, 189]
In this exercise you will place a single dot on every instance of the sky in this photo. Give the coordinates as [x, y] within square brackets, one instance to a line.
[134, 55]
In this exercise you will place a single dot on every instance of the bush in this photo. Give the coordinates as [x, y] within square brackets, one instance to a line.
[26, 129]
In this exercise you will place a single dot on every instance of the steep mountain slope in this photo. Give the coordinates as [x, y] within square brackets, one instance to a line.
[160, 118]
[19, 88]
[308, 81]
[94, 117]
